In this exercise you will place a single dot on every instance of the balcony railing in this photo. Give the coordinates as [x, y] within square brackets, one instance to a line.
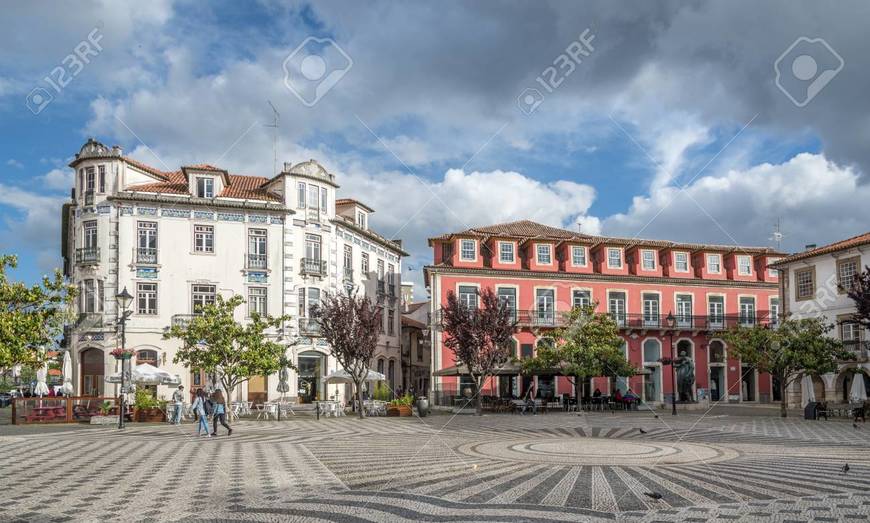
[312, 267]
[348, 274]
[89, 197]
[391, 290]
[256, 261]
[550, 318]
[88, 255]
[382, 286]
[182, 320]
[313, 215]
[146, 255]
[309, 327]
[860, 350]
[89, 320]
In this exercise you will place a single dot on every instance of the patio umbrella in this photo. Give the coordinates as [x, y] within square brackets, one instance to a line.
[343, 376]
[67, 375]
[808, 393]
[858, 392]
[147, 374]
[41, 386]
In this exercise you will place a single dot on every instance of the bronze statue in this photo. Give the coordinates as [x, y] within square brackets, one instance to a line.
[685, 376]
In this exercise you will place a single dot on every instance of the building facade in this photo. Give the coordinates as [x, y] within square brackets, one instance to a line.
[543, 272]
[177, 239]
[813, 284]
[416, 344]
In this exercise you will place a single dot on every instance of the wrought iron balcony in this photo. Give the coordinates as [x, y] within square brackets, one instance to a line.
[89, 197]
[182, 320]
[382, 286]
[309, 327]
[348, 274]
[312, 267]
[146, 255]
[256, 261]
[88, 256]
[860, 350]
[89, 320]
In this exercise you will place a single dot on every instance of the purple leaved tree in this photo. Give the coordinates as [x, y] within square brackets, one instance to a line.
[479, 336]
[350, 325]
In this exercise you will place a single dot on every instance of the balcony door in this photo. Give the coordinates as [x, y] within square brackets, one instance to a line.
[546, 306]
[651, 310]
[616, 307]
[684, 311]
[312, 247]
[146, 243]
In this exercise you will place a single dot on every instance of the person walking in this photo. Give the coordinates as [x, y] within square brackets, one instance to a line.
[199, 408]
[220, 412]
[178, 400]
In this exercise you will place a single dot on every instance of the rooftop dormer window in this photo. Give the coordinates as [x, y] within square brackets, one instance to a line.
[361, 220]
[467, 250]
[714, 264]
[744, 265]
[204, 187]
[614, 258]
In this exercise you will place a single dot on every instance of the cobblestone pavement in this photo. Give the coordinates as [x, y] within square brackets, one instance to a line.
[553, 467]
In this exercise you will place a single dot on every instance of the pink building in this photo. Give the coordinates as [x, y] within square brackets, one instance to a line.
[544, 271]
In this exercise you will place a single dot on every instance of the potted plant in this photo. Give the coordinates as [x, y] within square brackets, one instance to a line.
[146, 408]
[401, 407]
[104, 418]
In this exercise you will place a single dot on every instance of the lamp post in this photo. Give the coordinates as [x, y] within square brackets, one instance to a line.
[670, 321]
[124, 298]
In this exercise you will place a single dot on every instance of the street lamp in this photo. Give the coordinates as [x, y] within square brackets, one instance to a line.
[124, 298]
[670, 321]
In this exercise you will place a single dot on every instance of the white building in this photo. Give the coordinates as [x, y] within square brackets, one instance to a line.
[812, 284]
[177, 239]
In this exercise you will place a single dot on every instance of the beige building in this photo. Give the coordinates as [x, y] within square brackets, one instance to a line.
[177, 239]
[416, 347]
[812, 284]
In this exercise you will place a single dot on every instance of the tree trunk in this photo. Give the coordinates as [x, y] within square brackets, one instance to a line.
[359, 401]
[478, 406]
[229, 402]
[578, 390]
[783, 405]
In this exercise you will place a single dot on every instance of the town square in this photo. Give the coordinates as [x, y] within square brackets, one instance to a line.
[292, 260]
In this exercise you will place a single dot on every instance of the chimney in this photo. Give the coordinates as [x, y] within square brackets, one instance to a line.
[288, 166]
[117, 151]
[809, 246]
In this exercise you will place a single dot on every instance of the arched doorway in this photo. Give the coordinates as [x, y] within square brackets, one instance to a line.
[652, 381]
[311, 372]
[93, 368]
[718, 376]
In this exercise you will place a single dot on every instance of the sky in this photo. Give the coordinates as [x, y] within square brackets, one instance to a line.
[689, 121]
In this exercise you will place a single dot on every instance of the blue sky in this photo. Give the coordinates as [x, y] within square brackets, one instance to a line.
[672, 127]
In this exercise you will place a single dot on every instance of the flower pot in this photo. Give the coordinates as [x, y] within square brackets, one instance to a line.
[399, 410]
[423, 406]
[149, 415]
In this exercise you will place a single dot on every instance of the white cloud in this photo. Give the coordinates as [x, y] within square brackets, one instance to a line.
[58, 179]
[12, 162]
[818, 201]
[36, 224]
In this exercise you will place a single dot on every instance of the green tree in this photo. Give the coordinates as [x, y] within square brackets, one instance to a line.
[30, 316]
[588, 345]
[214, 342]
[796, 348]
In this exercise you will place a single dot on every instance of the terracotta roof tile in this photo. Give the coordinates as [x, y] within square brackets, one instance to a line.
[410, 322]
[527, 229]
[241, 187]
[855, 241]
[351, 201]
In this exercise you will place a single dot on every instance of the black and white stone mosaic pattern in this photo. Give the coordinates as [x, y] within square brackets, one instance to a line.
[554, 467]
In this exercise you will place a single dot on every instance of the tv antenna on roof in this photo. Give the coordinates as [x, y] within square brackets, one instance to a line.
[274, 125]
[777, 235]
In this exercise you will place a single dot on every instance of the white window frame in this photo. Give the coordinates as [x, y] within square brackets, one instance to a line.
[585, 258]
[643, 259]
[200, 233]
[301, 192]
[501, 252]
[463, 243]
[258, 298]
[740, 312]
[548, 254]
[740, 259]
[579, 293]
[466, 298]
[677, 255]
[361, 220]
[718, 260]
[207, 187]
[149, 295]
[198, 289]
[611, 250]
